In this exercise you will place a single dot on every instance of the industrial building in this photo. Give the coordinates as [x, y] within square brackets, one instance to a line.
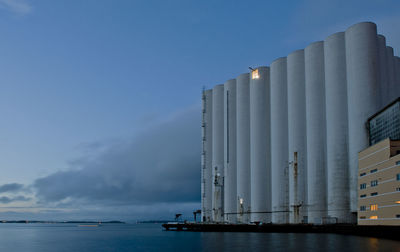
[379, 184]
[281, 143]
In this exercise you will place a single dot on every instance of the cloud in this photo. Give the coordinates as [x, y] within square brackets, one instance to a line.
[19, 7]
[12, 187]
[6, 200]
[160, 167]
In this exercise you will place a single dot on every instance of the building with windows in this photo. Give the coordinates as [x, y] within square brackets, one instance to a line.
[379, 184]
[281, 142]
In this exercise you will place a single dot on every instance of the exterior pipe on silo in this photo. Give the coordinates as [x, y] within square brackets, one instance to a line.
[397, 74]
[362, 86]
[206, 160]
[279, 142]
[391, 72]
[297, 136]
[243, 147]
[230, 151]
[260, 151]
[316, 134]
[218, 152]
[338, 198]
[383, 75]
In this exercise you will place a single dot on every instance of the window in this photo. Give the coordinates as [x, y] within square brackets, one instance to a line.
[374, 207]
[374, 217]
[397, 215]
[398, 163]
[374, 194]
[398, 176]
[362, 217]
[362, 174]
[374, 183]
[398, 189]
[374, 170]
[363, 208]
[363, 196]
[255, 74]
[363, 186]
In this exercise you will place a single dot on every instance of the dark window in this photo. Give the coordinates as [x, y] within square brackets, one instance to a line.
[362, 217]
[397, 215]
[374, 170]
[363, 196]
[363, 186]
[362, 174]
[363, 208]
[398, 176]
[374, 183]
[374, 193]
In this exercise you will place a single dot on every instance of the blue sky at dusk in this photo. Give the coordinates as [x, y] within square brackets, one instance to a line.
[100, 99]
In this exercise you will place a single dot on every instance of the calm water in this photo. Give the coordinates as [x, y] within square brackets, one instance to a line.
[151, 237]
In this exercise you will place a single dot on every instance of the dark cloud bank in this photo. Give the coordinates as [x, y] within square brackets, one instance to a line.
[152, 173]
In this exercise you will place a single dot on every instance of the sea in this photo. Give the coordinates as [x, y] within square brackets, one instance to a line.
[152, 237]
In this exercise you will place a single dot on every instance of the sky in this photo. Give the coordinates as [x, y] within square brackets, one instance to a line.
[100, 99]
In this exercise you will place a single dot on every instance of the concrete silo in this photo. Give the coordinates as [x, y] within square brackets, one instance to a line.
[316, 132]
[230, 151]
[390, 64]
[218, 152]
[243, 147]
[279, 142]
[383, 77]
[206, 157]
[338, 198]
[297, 136]
[362, 86]
[260, 151]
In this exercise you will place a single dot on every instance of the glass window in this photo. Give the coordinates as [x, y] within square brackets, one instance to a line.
[398, 176]
[362, 208]
[374, 170]
[363, 196]
[255, 74]
[374, 217]
[374, 193]
[363, 186]
[362, 174]
[374, 207]
[374, 183]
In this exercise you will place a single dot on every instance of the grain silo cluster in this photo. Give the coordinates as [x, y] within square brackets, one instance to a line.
[281, 143]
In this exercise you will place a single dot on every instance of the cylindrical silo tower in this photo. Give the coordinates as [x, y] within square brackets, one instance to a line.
[279, 142]
[362, 86]
[391, 72]
[336, 128]
[218, 152]
[206, 157]
[297, 136]
[243, 147]
[230, 151]
[316, 134]
[383, 76]
[260, 151]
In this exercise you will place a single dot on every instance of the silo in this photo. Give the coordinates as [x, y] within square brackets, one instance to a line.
[297, 136]
[206, 160]
[391, 72]
[279, 142]
[316, 134]
[243, 147]
[362, 85]
[230, 151]
[383, 76]
[218, 152]
[260, 151]
[336, 128]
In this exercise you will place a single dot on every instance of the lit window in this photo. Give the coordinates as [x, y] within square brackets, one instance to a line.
[374, 207]
[362, 208]
[241, 201]
[374, 193]
[255, 74]
[397, 202]
[374, 217]
[374, 170]
[374, 183]
[362, 174]
[363, 196]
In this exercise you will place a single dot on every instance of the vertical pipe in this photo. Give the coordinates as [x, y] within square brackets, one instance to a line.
[337, 128]
[297, 136]
[260, 151]
[362, 85]
[243, 147]
[316, 133]
[218, 152]
[397, 74]
[391, 72]
[383, 75]
[230, 151]
[279, 142]
[206, 160]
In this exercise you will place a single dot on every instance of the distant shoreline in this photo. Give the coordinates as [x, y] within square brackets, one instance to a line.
[61, 222]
